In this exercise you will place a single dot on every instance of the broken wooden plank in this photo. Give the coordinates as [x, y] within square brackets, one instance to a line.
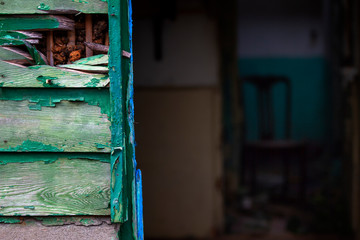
[53, 6]
[97, 47]
[86, 68]
[15, 55]
[16, 42]
[36, 76]
[36, 22]
[8, 38]
[101, 59]
[30, 34]
[63, 187]
[53, 125]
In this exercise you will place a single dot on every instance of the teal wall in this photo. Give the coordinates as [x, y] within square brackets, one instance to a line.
[310, 96]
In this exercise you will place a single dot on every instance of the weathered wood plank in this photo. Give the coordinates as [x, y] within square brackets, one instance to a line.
[53, 6]
[97, 47]
[16, 42]
[64, 187]
[101, 59]
[36, 76]
[29, 34]
[8, 38]
[15, 55]
[86, 68]
[20, 35]
[54, 126]
[36, 22]
[88, 34]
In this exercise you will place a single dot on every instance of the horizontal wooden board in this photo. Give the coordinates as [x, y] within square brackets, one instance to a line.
[64, 187]
[18, 76]
[15, 55]
[101, 59]
[60, 126]
[53, 6]
[86, 68]
[35, 22]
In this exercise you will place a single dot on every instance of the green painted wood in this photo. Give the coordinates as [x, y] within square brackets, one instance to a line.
[119, 209]
[8, 38]
[36, 76]
[18, 34]
[14, 55]
[64, 187]
[67, 126]
[11, 42]
[101, 59]
[36, 22]
[86, 68]
[53, 6]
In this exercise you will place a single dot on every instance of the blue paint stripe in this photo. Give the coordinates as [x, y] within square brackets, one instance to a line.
[138, 225]
[139, 206]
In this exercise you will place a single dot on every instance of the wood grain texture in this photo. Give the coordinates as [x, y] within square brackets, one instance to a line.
[15, 55]
[34, 77]
[68, 127]
[86, 68]
[101, 59]
[53, 6]
[88, 34]
[64, 187]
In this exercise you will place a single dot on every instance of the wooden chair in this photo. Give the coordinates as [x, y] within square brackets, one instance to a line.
[267, 147]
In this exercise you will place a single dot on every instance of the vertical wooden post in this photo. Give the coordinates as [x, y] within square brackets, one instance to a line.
[72, 37]
[88, 33]
[49, 46]
[72, 40]
[107, 39]
[126, 195]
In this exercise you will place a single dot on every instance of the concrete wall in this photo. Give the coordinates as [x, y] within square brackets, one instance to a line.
[58, 228]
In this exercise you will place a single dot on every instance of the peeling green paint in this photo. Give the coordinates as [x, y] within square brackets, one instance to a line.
[101, 146]
[11, 157]
[29, 207]
[12, 35]
[87, 221]
[34, 54]
[47, 81]
[51, 221]
[7, 41]
[92, 83]
[31, 146]
[59, 221]
[43, 7]
[29, 23]
[10, 220]
[100, 59]
[41, 97]
[80, 1]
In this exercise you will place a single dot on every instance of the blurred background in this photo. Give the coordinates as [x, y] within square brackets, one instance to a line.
[247, 118]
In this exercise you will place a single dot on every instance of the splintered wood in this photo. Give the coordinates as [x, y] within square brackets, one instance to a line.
[56, 40]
